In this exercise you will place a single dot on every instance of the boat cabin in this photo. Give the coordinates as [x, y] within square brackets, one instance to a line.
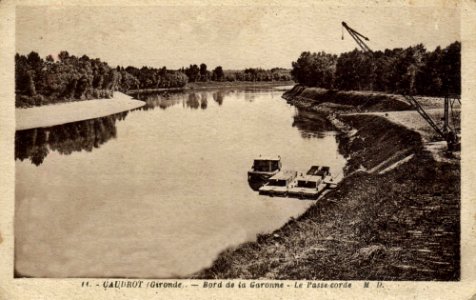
[278, 184]
[262, 169]
[266, 165]
[308, 182]
[306, 187]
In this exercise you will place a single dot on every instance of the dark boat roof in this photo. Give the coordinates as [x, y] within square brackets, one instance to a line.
[317, 170]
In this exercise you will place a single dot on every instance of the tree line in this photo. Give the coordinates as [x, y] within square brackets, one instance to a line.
[412, 70]
[41, 81]
[200, 73]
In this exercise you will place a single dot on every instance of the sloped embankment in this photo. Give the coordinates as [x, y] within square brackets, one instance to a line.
[397, 223]
[376, 144]
[318, 99]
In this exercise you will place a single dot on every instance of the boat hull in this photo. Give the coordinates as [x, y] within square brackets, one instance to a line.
[301, 195]
[273, 193]
[257, 180]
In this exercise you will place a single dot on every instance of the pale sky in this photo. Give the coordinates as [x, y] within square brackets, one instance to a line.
[233, 37]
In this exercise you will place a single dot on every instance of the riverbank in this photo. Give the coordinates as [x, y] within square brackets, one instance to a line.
[395, 216]
[62, 113]
[327, 101]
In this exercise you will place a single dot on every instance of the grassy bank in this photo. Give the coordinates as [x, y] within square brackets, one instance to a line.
[395, 216]
[352, 101]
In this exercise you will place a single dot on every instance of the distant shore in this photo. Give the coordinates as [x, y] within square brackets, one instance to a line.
[228, 84]
[215, 85]
[62, 113]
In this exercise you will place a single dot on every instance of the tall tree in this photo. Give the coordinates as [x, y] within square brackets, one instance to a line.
[218, 74]
[315, 69]
[203, 72]
[193, 73]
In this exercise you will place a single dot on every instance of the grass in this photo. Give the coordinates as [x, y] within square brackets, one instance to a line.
[376, 142]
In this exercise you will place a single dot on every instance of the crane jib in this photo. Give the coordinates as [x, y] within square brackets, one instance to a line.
[357, 37]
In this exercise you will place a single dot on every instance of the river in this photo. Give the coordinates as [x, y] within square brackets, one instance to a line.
[160, 191]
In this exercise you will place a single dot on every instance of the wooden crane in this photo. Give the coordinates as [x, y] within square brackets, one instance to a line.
[448, 134]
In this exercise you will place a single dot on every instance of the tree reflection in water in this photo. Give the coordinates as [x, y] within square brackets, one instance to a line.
[193, 100]
[203, 100]
[35, 144]
[161, 100]
[250, 96]
[218, 97]
[312, 124]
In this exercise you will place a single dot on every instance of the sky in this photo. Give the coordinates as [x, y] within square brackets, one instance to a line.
[233, 37]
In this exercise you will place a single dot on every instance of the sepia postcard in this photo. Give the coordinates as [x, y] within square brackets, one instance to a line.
[237, 149]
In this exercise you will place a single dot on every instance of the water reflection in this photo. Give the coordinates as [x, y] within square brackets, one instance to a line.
[203, 101]
[312, 124]
[218, 97]
[195, 100]
[160, 100]
[191, 100]
[250, 96]
[35, 144]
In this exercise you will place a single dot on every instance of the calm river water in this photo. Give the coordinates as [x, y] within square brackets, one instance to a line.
[158, 192]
